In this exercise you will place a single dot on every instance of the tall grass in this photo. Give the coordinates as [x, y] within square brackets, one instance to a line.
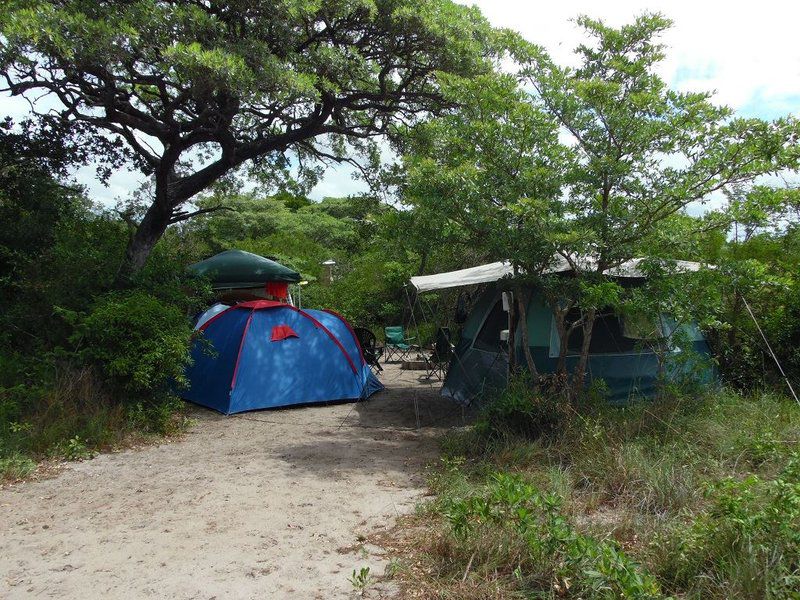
[697, 495]
[72, 416]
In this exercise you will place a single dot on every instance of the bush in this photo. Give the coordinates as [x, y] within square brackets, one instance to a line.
[513, 523]
[141, 342]
[746, 544]
[516, 411]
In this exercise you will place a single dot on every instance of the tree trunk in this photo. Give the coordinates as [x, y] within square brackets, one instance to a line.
[579, 377]
[563, 341]
[147, 234]
[522, 301]
[423, 262]
[512, 334]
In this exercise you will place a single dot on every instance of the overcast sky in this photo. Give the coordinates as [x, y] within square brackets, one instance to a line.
[750, 57]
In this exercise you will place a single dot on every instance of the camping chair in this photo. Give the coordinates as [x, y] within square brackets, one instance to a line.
[436, 364]
[369, 347]
[397, 344]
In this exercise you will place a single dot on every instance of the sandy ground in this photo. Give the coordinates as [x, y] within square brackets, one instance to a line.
[270, 504]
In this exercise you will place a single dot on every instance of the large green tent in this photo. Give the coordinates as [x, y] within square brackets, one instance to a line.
[618, 354]
[235, 269]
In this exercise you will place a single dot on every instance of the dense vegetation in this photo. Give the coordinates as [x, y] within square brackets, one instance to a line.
[695, 496]
[551, 493]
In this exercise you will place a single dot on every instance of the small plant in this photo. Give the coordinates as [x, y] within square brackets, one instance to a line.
[392, 568]
[360, 580]
[16, 466]
[518, 412]
[76, 449]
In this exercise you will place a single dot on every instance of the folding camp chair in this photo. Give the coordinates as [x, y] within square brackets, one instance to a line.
[443, 349]
[397, 344]
[369, 347]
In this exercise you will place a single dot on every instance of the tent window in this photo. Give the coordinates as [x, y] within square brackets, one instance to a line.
[641, 326]
[489, 336]
[607, 335]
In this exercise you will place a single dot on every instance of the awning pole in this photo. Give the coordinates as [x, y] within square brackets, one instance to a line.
[413, 316]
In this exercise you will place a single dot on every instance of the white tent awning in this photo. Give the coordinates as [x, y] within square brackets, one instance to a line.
[471, 276]
[497, 270]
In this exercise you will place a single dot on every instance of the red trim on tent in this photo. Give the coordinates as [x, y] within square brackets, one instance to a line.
[333, 337]
[205, 325]
[350, 329]
[241, 345]
[255, 305]
[261, 304]
[265, 304]
[252, 304]
[281, 332]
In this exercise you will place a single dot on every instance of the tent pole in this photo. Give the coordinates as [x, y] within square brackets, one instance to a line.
[772, 353]
[413, 316]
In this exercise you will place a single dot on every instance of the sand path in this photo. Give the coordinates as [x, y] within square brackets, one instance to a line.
[263, 505]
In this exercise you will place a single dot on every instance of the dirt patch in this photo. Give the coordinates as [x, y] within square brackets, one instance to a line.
[269, 504]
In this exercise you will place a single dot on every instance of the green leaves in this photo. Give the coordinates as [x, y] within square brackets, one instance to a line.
[139, 341]
[248, 82]
[554, 556]
[492, 167]
[644, 152]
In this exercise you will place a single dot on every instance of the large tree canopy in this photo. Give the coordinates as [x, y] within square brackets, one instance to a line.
[196, 88]
[594, 161]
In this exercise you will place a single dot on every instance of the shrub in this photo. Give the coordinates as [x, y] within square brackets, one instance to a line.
[516, 411]
[513, 524]
[139, 341]
[16, 466]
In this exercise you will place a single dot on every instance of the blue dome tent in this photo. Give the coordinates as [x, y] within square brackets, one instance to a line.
[265, 354]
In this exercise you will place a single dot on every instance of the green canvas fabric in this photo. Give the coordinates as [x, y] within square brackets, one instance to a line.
[240, 269]
[476, 368]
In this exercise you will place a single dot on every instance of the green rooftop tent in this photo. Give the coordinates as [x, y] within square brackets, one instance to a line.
[617, 356]
[240, 275]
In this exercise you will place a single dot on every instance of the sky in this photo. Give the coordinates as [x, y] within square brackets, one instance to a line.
[750, 58]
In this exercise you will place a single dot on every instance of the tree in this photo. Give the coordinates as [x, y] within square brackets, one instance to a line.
[494, 166]
[590, 164]
[197, 89]
[642, 152]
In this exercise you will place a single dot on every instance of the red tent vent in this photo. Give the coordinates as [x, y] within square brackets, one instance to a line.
[281, 332]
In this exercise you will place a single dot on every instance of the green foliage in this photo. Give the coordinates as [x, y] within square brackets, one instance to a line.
[555, 556]
[74, 354]
[360, 580]
[745, 544]
[518, 411]
[139, 341]
[16, 466]
[74, 449]
[700, 491]
[633, 155]
[314, 81]
[757, 269]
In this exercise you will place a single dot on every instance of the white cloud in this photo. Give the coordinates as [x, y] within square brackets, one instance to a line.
[338, 181]
[748, 54]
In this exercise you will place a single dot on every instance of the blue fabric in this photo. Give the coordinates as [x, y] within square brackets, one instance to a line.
[214, 359]
[369, 383]
[306, 369]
